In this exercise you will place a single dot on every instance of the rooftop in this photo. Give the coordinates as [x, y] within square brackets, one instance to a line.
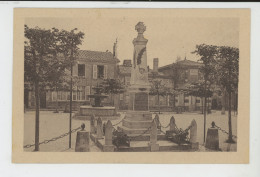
[96, 56]
[185, 62]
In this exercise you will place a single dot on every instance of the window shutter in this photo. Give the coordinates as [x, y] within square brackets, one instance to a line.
[94, 71]
[105, 72]
[75, 70]
[87, 92]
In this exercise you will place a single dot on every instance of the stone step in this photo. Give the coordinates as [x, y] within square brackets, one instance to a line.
[138, 115]
[130, 131]
[142, 146]
[145, 137]
[134, 124]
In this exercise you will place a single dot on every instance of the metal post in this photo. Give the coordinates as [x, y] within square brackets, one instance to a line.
[71, 73]
[70, 105]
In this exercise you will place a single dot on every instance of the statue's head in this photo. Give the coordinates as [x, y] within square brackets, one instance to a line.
[140, 27]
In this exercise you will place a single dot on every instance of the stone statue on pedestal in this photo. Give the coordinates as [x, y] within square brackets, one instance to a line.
[139, 73]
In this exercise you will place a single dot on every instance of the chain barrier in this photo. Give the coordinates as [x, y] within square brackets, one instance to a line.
[163, 132]
[118, 122]
[223, 131]
[183, 131]
[160, 124]
[53, 139]
[141, 134]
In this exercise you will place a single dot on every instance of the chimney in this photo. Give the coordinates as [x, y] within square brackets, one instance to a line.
[155, 64]
[115, 49]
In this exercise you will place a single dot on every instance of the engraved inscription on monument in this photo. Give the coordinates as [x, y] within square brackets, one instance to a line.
[141, 102]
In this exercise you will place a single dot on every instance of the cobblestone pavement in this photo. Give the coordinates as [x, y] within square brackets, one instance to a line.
[55, 124]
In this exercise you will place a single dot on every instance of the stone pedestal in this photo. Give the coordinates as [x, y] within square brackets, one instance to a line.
[154, 147]
[108, 148]
[153, 137]
[99, 129]
[193, 135]
[212, 140]
[82, 141]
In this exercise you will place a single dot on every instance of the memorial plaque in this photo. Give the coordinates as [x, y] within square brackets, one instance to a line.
[141, 102]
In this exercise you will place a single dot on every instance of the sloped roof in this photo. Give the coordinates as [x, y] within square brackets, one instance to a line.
[96, 56]
[187, 63]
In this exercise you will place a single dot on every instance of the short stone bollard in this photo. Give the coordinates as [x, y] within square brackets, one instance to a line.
[108, 147]
[99, 129]
[193, 135]
[82, 140]
[172, 124]
[104, 128]
[92, 124]
[153, 137]
[212, 140]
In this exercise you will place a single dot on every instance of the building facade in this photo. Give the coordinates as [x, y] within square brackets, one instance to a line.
[90, 68]
[188, 72]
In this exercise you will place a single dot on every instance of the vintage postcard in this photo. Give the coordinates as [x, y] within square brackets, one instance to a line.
[131, 85]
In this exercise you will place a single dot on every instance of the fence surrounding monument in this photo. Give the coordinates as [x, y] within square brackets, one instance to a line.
[223, 131]
[53, 139]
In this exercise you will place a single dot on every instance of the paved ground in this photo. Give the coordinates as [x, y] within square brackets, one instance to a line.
[55, 124]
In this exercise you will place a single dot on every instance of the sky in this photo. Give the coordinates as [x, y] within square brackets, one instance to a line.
[168, 36]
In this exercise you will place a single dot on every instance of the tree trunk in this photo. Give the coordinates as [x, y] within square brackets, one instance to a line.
[229, 119]
[113, 99]
[223, 102]
[174, 102]
[57, 104]
[205, 114]
[205, 111]
[159, 104]
[70, 103]
[37, 116]
[202, 105]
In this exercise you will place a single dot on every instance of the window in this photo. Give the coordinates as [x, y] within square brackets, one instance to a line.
[186, 100]
[127, 80]
[127, 98]
[87, 92]
[197, 101]
[100, 71]
[54, 96]
[63, 96]
[81, 69]
[60, 96]
[121, 96]
[74, 95]
[81, 93]
[94, 71]
[68, 95]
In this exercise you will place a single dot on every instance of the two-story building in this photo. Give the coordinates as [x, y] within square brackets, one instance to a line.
[188, 74]
[90, 68]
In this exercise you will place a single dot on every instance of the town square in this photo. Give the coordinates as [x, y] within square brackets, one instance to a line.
[83, 100]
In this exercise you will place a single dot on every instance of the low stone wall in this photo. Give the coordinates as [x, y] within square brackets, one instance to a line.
[97, 111]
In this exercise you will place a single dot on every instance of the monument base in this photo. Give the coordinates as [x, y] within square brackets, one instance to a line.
[108, 148]
[136, 122]
[154, 147]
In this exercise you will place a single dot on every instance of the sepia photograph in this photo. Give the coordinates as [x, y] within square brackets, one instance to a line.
[133, 80]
